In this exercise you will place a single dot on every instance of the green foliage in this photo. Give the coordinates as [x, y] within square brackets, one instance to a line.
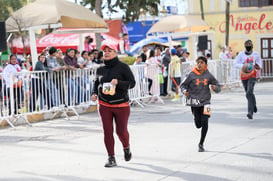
[128, 60]
[131, 8]
[8, 6]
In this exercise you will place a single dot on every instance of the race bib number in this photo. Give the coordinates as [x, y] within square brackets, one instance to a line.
[108, 88]
[207, 110]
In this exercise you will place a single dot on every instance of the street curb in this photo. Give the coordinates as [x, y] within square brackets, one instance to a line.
[39, 117]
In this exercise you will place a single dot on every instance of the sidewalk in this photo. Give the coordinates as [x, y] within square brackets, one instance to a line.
[163, 142]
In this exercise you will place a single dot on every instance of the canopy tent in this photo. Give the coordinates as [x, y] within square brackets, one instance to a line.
[180, 26]
[61, 41]
[147, 41]
[179, 23]
[47, 12]
[43, 14]
[151, 41]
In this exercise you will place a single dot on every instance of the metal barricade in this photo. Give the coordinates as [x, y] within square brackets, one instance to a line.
[147, 84]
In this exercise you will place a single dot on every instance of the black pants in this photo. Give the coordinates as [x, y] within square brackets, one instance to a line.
[38, 87]
[150, 83]
[201, 121]
[249, 89]
[16, 97]
[165, 85]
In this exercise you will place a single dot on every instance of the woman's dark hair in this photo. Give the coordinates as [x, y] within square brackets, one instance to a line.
[90, 40]
[100, 54]
[152, 53]
[68, 50]
[94, 50]
[202, 58]
[12, 55]
[83, 52]
[42, 54]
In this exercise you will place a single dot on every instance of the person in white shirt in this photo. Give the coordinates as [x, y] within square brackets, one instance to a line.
[223, 55]
[249, 62]
[13, 82]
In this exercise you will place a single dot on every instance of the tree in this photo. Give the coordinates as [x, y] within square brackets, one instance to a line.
[131, 8]
[8, 6]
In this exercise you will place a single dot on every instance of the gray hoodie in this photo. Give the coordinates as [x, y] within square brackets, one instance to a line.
[198, 86]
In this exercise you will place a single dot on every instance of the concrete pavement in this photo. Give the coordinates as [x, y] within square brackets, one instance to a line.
[163, 142]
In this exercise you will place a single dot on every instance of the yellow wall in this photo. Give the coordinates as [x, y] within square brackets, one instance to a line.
[250, 23]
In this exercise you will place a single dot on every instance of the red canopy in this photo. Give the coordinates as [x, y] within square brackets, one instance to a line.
[61, 41]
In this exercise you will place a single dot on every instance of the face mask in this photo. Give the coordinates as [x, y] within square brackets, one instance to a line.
[248, 48]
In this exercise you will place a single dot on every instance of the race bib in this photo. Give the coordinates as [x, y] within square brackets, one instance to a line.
[207, 110]
[108, 88]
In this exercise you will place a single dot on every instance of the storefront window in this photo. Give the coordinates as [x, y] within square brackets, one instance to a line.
[265, 54]
[255, 3]
[267, 47]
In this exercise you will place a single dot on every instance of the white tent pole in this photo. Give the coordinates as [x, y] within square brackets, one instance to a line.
[33, 47]
[81, 42]
[170, 40]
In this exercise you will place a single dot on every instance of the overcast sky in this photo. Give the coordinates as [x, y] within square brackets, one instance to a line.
[181, 4]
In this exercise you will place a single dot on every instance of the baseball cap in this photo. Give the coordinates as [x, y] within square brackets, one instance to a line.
[173, 51]
[109, 45]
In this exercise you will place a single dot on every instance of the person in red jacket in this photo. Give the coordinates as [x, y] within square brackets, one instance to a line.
[111, 85]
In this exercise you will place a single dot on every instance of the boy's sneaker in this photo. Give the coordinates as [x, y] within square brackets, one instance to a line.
[127, 154]
[111, 162]
[249, 116]
[201, 148]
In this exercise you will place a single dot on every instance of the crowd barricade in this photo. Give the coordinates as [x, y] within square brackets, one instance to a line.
[147, 84]
[224, 71]
[267, 70]
[62, 91]
[25, 93]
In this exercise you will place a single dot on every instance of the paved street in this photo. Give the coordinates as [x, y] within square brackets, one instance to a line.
[163, 142]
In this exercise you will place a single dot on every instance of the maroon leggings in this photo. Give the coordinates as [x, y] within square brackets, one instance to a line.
[121, 116]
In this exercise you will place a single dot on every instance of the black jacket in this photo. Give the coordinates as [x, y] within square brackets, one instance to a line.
[114, 69]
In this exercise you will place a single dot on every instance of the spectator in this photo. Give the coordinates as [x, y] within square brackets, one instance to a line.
[14, 82]
[223, 55]
[229, 53]
[95, 52]
[38, 85]
[158, 57]
[123, 46]
[55, 67]
[144, 53]
[74, 89]
[175, 72]
[185, 57]
[87, 43]
[83, 59]
[179, 51]
[166, 59]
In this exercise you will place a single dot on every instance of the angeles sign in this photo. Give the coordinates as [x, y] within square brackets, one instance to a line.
[248, 24]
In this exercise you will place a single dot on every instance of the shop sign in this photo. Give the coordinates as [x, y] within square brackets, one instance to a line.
[248, 24]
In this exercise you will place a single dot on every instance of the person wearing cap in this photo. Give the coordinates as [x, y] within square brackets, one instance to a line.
[249, 62]
[196, 87]
[111, 85]
[175, 72]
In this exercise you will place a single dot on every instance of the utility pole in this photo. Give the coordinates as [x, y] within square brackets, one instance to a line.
[227, 22]
[202, 10]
